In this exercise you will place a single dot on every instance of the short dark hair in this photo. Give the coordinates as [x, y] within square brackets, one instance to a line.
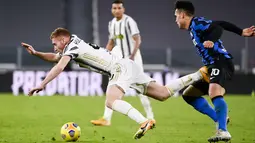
[60, 32]
[117, 2]
[186, 6]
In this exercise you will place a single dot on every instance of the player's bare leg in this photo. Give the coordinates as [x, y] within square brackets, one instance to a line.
[161, 93]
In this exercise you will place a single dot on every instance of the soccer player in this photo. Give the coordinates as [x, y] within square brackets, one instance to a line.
[123, 73]
[124, 41]
[205, 35]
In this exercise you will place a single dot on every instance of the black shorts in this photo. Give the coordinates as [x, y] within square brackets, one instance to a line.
[220, 72]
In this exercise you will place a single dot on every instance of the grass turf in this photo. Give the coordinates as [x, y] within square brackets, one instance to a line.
[39, 119]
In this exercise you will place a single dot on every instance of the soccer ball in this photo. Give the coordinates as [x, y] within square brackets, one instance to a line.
[70, 132]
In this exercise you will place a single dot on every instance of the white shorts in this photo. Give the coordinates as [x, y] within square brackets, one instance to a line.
[127, 74]
[138, 57]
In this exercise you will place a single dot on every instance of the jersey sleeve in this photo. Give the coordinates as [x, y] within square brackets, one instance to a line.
[71, 50]
[110, 30]
[132, 26]
[229, 27]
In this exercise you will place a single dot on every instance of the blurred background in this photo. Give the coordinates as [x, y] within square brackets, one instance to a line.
[167, 51]
[163, 46]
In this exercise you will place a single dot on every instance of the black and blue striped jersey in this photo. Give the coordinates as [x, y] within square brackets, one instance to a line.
[199, 29]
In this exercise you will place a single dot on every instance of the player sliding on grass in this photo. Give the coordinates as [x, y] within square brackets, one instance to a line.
[123, 73]
[205, 35]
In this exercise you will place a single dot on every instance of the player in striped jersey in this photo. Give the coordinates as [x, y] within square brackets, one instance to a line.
[123, 74]
[124, 41]
[205, 35]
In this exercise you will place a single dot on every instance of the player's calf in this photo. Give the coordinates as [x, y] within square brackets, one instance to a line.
[157, 91]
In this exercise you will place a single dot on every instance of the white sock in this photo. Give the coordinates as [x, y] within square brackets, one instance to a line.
[180, 83]
[147, 106]
[127, 109]
[107, 113]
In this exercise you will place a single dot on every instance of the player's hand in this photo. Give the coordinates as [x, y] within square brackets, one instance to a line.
[29, 48]
[208, 44]
[132, 57]
[35, 90]
[249, 32]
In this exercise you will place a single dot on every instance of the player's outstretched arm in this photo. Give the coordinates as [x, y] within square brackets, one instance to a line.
[215, 30]
[50, 57]
[246, 32]
[54, 72]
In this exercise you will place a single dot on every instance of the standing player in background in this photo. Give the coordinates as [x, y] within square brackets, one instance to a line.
[205, 35]
[124, 41]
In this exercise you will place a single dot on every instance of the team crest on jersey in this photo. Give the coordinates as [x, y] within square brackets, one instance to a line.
[120, 36]
[194, 42]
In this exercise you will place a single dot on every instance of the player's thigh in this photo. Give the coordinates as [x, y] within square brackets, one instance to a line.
[145, 85]
[197, 89]
[119, 82]
[157, 91]
[220, 72]
[216, 89]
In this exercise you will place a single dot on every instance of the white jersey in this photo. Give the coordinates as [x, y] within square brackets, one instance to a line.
[122, 32]
[90, 56]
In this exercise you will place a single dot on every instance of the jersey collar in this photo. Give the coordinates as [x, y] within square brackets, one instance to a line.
[190, 24]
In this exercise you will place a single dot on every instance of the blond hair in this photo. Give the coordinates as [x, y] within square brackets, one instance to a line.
[60, 32]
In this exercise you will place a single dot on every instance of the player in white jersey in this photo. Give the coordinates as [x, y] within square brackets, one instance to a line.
[124, 41]
[123, 73]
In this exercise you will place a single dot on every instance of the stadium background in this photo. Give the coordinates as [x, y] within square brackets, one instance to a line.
[167, 54]
[32, 21]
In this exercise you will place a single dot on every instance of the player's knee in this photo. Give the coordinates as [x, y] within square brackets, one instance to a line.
[165, 97]
[109, 103]
[164, 94]
[216, 90]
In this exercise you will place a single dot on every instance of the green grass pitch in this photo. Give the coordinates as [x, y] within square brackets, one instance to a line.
[39, 119]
